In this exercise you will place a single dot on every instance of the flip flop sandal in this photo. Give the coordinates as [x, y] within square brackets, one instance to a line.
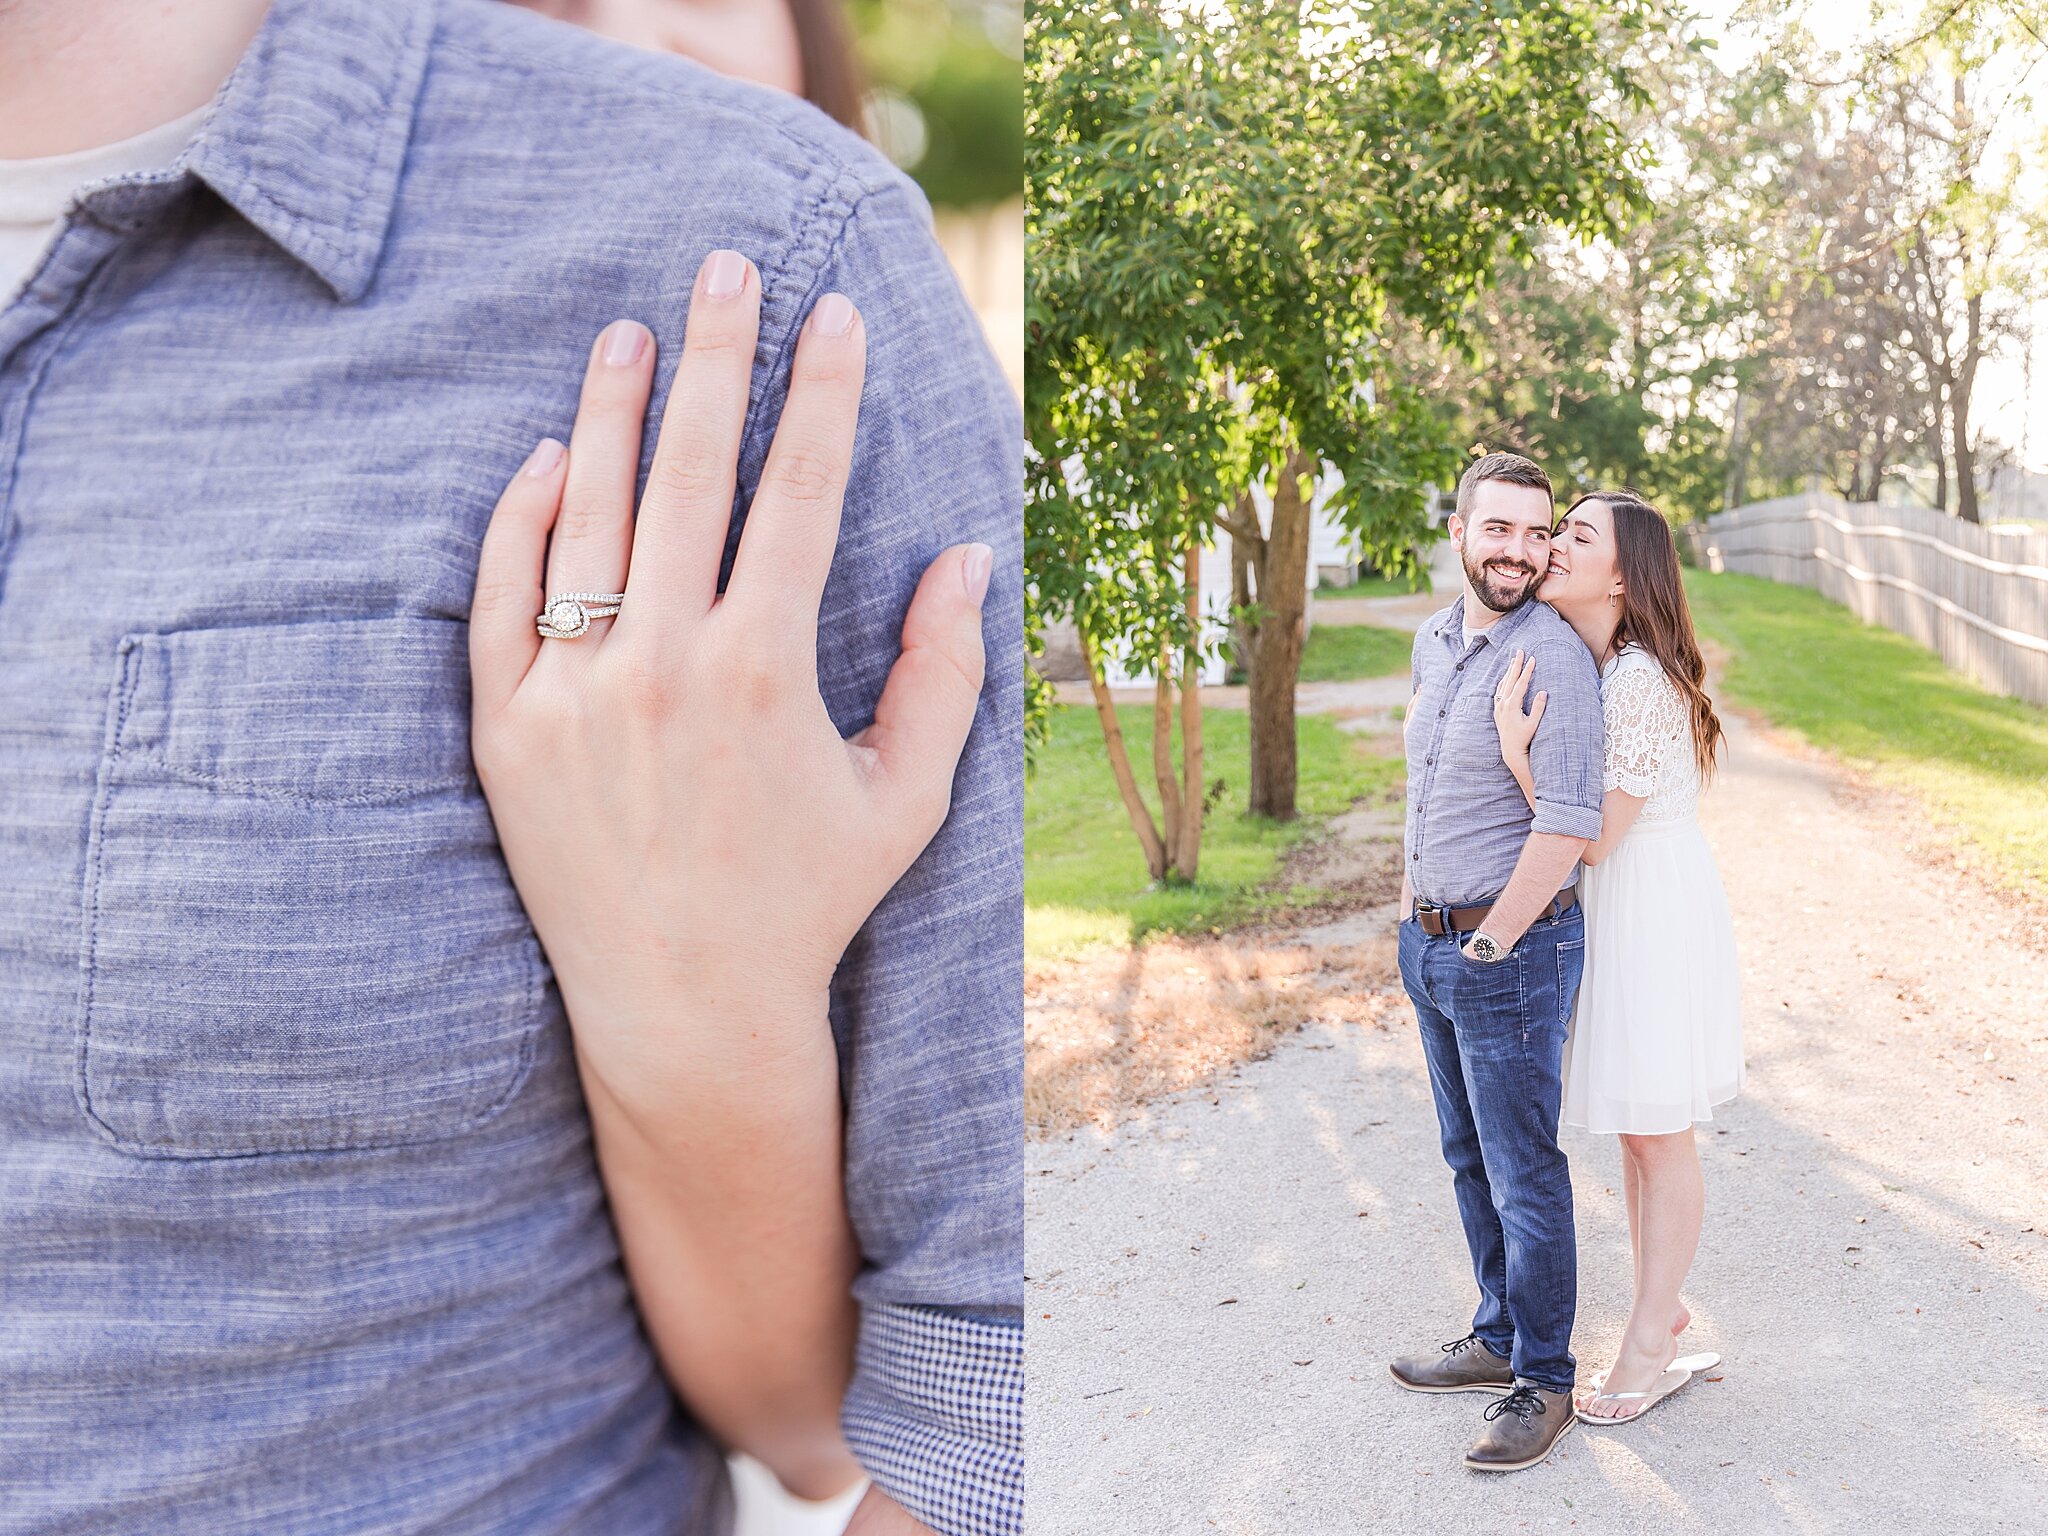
[1676, 1375]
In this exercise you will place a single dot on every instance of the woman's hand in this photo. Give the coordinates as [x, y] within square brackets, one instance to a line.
[683, 820]
[1517, 728]
[696, 844]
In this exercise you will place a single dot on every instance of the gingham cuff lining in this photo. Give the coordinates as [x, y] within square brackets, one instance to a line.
[936, 1415]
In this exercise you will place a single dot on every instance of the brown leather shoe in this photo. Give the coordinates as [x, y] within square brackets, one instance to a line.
[1463, 1365]
[1523, 1428]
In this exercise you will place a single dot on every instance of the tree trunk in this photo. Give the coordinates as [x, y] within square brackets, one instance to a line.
[1162, 755]
[1880, 459]
[1940, 468]
[1120, 763]
[1243, 524]
[1963, 375]
[1193, 799]
[1853, 490]
[1959, 408]
[1738, 455]
[1276, 658]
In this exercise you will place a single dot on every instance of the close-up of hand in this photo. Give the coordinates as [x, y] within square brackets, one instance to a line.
[1516, 725]
[696, 844]
[683, 821]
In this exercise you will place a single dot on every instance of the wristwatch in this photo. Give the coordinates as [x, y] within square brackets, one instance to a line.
[1485, 949]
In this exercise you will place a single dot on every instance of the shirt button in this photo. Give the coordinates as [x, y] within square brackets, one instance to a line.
[1427, 761]
[1439, 714]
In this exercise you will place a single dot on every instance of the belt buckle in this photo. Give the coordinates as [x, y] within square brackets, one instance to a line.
[1441, 913]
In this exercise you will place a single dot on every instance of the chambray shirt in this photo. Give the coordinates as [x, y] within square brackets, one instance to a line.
[1467, 818]
[302, 1228]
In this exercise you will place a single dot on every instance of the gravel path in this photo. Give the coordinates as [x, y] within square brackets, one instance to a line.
[1216, 1287]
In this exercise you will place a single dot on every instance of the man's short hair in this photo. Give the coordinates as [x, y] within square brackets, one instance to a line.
[1511, 467]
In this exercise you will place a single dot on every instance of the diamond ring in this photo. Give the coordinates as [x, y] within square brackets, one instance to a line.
[569, 614]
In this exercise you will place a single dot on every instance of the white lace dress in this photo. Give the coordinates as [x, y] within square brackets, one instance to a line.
[1656, 1036]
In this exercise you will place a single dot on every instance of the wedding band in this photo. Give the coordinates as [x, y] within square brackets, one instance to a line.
[568, 614]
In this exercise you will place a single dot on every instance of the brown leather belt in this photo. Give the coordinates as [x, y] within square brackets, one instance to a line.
[1436, 921]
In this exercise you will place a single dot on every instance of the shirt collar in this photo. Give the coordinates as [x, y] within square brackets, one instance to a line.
[307, 137]
[1452, 625]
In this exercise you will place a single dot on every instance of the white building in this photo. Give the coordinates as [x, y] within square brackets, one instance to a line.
[1332, 557]
[1333, 562]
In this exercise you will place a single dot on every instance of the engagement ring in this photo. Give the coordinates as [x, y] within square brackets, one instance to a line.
[569, 614]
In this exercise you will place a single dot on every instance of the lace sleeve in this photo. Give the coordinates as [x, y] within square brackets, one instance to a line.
[1644, 716]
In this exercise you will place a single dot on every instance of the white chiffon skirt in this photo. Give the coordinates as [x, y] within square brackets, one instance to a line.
[1656, 1035]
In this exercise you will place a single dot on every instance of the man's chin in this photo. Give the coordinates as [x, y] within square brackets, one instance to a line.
[1505, 599]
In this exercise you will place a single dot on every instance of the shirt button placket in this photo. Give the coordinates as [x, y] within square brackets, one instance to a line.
[1429, 758]
[31, 330]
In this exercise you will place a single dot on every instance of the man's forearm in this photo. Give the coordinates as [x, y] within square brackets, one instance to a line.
[1539, 871]
[732, 1223]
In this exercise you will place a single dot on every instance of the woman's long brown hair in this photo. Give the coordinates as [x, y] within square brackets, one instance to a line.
[833, 79]
[1655, 614]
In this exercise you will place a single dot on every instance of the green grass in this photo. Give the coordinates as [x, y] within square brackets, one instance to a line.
[1979, 762]
[1380, 586]
[1085, 882]
[1336, 652]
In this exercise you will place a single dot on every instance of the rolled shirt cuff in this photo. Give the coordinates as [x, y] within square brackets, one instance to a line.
[936, 1416]
[1566, 820]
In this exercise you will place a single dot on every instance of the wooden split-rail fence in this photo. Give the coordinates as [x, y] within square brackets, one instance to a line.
[1976, 596]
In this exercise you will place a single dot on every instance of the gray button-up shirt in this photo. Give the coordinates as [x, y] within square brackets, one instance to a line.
[1467, 819]
[300, 1229]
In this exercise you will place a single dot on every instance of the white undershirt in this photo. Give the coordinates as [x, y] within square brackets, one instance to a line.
[35, 193]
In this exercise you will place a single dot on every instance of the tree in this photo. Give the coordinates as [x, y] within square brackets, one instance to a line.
[1836, 386]
[1222, 211]
[1645, 358]
[1954, 251]
[1927, 274]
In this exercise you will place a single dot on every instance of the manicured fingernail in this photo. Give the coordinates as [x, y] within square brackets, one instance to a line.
[833, 316]
[547, 453]
[975, 569]
[725, 274]
[624, 341]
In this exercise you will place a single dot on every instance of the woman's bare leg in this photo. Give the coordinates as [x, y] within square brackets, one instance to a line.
[1670, 1201]
[1632, 1197]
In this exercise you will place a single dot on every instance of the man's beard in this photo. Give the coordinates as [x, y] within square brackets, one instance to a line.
[1492, 585]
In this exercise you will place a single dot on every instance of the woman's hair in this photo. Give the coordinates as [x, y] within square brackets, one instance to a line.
[1654, 612]
[832, 75]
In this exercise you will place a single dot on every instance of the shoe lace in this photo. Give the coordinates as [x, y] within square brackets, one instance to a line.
[1458, 1346]
[1521, 1402]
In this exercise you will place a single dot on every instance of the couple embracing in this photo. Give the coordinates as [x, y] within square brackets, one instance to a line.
[1565, 937]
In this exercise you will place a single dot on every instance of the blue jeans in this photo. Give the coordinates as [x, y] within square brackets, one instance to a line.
[1494, 1036]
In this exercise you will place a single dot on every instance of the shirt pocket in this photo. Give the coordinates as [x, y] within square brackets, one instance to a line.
[299, 932]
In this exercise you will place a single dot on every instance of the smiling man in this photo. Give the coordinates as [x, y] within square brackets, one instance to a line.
[1492, 942]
